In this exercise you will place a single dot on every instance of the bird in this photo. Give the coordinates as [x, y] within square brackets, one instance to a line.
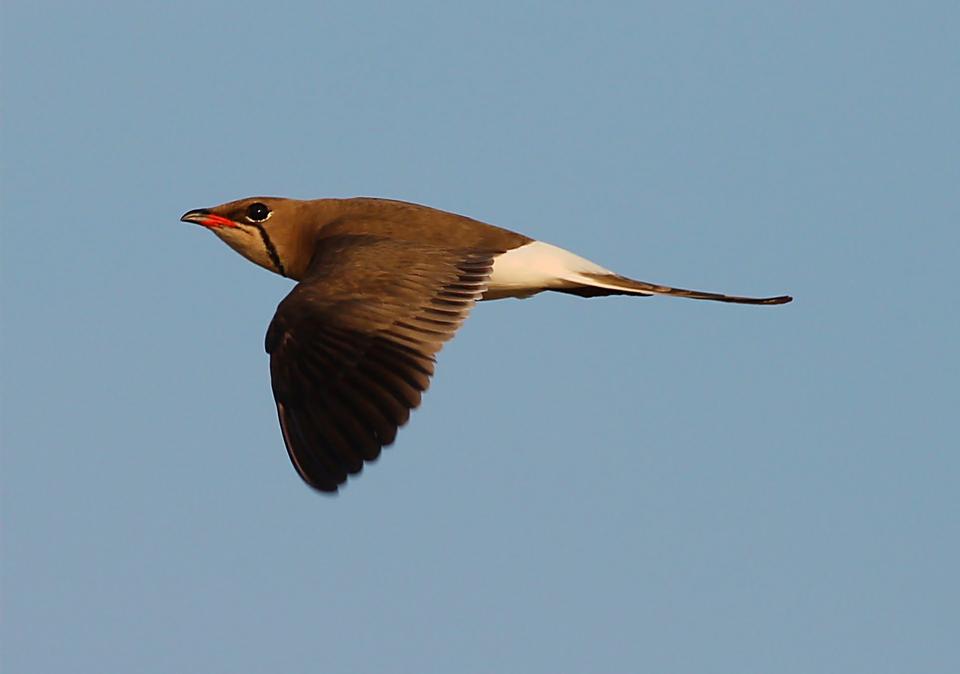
[381, 286]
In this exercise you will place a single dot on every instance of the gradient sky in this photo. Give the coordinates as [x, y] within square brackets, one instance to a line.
[607, 485]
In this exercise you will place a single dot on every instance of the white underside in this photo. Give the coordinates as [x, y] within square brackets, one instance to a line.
[538, 266]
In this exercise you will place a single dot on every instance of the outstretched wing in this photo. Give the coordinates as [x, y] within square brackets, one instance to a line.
[352, 346]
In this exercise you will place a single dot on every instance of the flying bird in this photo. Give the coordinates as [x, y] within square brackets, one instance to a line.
[382, 285]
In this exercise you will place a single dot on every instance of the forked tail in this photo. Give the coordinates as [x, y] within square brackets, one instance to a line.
[539, 266]
[594, 284]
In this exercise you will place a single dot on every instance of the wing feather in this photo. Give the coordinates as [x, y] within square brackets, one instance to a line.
[352, 347]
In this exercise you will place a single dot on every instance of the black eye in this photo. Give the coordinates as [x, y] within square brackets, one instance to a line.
[257, 212]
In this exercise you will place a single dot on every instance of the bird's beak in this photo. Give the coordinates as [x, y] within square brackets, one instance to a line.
[202, 216]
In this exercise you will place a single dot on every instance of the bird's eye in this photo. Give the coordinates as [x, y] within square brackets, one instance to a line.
[257, 212]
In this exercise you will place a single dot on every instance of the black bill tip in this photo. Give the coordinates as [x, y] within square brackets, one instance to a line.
[197, 215]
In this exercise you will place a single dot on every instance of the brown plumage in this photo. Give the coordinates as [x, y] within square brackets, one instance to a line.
[382, 286]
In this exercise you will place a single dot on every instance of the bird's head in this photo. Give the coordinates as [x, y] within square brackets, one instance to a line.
[265, 230]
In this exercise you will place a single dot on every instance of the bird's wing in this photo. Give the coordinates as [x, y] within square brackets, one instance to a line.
[352, 346]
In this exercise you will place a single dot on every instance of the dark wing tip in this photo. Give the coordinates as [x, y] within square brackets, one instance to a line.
[323, 478]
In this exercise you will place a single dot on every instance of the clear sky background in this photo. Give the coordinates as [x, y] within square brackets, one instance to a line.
[607, 485]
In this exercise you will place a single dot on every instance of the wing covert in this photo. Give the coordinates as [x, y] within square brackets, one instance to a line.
[352, 347]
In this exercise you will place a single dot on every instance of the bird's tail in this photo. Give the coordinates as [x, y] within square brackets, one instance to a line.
[597, 284]
[538, 266]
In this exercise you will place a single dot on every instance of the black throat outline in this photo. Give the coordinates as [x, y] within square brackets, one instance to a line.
[271, 249]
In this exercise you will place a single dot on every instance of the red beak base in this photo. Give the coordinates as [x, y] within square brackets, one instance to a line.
[202, 216]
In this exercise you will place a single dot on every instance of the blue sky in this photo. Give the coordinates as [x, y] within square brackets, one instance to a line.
[609, 485]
